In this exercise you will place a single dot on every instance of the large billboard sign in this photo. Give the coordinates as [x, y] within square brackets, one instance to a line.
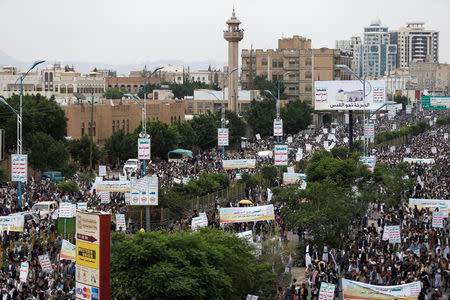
[92, 255]
[348, 95]
[436, 102]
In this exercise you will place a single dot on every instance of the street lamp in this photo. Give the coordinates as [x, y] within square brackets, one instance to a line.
[222, 121]
[19, 127]
[350, 112]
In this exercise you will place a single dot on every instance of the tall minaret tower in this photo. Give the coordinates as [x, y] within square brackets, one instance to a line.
[233, 35]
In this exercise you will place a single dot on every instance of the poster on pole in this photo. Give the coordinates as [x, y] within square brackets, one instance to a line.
[246, 214]
[222, 137]
[19, 167]
[369, 130]
[299, 155]
[363, 291]
[24, 268]
[144, 152]
[438, 219]
[348, 95]
[66, 210]
[45, 263]
[281, 155]
[101, 171]
[278, 127]
[326, 291]
[120, 222]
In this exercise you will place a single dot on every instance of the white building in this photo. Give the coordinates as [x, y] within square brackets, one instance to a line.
[173, 74]
[379, 55]
[414, 43]
[65, 85]
[200, 75]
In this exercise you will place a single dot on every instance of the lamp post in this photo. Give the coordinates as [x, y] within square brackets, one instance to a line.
[350, 113]
[19, 127]
[144, 111]
[222, 119]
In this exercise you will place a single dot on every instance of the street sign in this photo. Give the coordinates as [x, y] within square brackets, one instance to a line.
[144, 152]
[222, 137]
[278, 127]
[19, 167]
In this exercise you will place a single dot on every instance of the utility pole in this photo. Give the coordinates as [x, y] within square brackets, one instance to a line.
[91, 135]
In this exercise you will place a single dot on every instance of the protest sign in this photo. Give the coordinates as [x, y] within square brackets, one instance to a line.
[293, 178]
[24, 268]
[363, 291]
[438, 219]
[200, 221]
[246, 214]
[281, 155]
[120, 222]
[239, 164]
[45, 263]
[326, 291]
[68, 251]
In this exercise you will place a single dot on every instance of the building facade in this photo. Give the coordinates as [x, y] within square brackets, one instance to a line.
[352, 48]
[112, 115]
[431, 76]
[379, 55]
[415, 43]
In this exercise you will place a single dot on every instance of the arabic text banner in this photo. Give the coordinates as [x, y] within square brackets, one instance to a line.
[362, 291]
[239, 164]
[431, 204]
[348, 95]
[246, 214]
[293, 178]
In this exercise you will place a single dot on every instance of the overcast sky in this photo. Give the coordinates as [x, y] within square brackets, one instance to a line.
[133, 31]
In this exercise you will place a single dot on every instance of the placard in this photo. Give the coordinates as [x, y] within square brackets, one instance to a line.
[289, 139]
[81, 205]
[258, 136]
[66, 210]
[369, 130]
[19, 167]
[281, 155]
[433, 150]
[308, 147]
[105, 197]
[120, 222]
[438, 219]
[144, 151]
[290, 170]
[222, 137]
[101, 171]
[369, 161]
[45, 263]
[200, 221]
[326, 291]
[277, 127]
[299, 155]
[24, 268]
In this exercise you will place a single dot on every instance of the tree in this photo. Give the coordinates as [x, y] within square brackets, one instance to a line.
[296, 115]
[205, 127]
[260, 116]
[121, 146]
[68, 187]
[261, 83]
[47, 154]
[188, 136]
[204, 265]
[80, 151]
[401, 99]
[164, 138]
[269, 172]
[235, 124]
[115, 93]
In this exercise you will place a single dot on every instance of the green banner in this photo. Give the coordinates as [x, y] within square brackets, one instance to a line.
[435, 102]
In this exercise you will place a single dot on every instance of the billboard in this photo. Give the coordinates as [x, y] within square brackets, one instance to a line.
[348, 95]
[435, 102]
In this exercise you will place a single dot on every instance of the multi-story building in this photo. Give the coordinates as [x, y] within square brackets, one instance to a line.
[431, 76]
[112, 115]
[414, 43]
[132, 84]
[306, 65]
[200, 75]
[352, 48]
[379, 55]
[66, 85]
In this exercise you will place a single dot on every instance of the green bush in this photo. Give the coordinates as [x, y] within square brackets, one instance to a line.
[406, 131]
[68, 187]
[443, 121]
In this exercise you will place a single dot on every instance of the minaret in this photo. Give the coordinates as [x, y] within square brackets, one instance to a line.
[233, 35]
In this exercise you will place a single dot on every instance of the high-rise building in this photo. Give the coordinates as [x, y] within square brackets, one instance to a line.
[352, 48]
[233, 35]
[379, 55]
[414, 43]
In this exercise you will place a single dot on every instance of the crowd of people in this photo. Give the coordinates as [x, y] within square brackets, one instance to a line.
[364, 255]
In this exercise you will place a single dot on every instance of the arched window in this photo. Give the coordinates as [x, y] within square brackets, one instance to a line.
[82, 128]
[113, 126]
[123, 125]
[128, 126]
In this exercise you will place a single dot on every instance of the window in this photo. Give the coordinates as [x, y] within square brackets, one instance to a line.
[308, 61]
[308, 88]
[190, 109]
[199, 108]
[264, 62]
[308, 74]
[128, 126]
[123, 125]
[82, 129]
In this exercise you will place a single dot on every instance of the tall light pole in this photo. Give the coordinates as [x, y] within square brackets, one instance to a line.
[144, 111]
[19, 127]
[350, 127]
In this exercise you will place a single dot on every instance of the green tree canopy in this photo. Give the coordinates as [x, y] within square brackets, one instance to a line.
[164, 138]
[261, 83]
[205, 127]
[188, 136]
[115, 93]
[80, 151]
[121, 146]
[204, 265]
[260, 116]
[296, 115]
[48, 154]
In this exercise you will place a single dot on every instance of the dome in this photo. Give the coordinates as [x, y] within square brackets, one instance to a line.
[375, 22]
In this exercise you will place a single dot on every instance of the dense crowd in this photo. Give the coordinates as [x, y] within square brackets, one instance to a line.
[364, 256]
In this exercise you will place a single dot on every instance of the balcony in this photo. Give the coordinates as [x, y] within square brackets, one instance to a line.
[234, 36]
[292, 67]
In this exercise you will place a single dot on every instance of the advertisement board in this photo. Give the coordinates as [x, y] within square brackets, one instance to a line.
[19, 167]
[144, 151]
[281, 155]
[277, 127]
[239, 164]
[348, 95]
[84, 291]
[222, 137]
[246, 214]
[435, 102]
[144, 191]
[363, 291]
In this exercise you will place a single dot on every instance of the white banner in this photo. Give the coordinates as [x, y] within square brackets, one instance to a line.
[144, 151]
[239, 164]
[293, 178]
[45, 263]
[348, 95]
[281, 155]
[12, 223]
[120, 222]
[19, 167]
[246, 214]
[222, 137]
[419, 160]
[432, 204]
[101, 171]
[326, 291]
[277, 127]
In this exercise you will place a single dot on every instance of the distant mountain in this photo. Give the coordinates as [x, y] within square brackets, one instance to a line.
[84, 67]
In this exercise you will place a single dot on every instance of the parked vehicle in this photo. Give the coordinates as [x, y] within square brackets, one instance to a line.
[53, 175]
[45, 208]
[131, 166]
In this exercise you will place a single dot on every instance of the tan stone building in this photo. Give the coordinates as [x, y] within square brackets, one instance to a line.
[112, 115]
[296, 56]
[431, 76]
[132, 84]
